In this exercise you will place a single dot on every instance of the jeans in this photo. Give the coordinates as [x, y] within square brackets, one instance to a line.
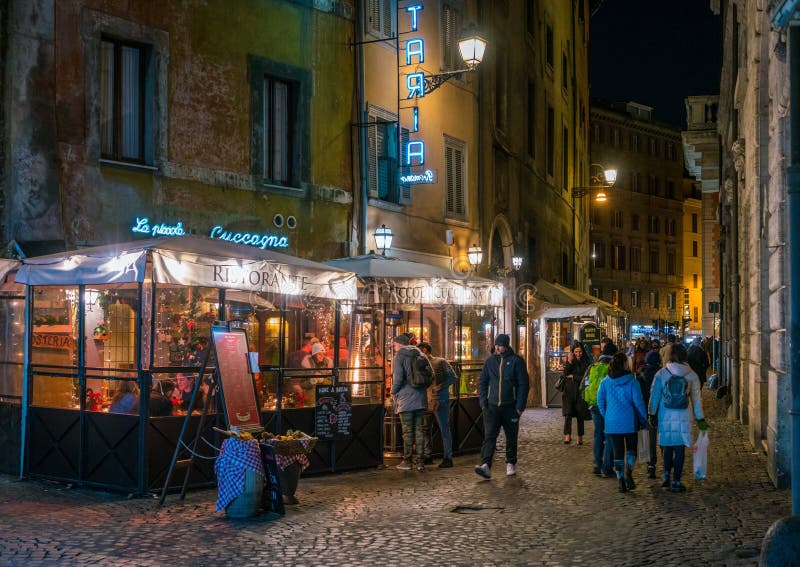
[673, 461]
[493, 418]
[441, 410]
[624, 446]
[602, 450]
[411, 421]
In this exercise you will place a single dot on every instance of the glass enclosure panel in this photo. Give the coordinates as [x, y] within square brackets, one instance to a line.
[298, 389]
[112, 396]
[267, 388]
[361, 360]
[111, 314]
[12, 346]
[172, 394]
[55, 326]
[259, 315]
[476, 334]
[56, 392]
[310, 321]
[184, 316]
[558, 344]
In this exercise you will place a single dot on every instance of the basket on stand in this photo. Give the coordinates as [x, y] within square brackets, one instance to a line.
[290, 447]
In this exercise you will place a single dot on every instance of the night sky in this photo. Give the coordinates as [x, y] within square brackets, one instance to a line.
[655, 52]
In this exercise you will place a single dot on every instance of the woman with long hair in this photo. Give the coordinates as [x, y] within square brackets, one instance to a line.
[572, 405]
[621, 404]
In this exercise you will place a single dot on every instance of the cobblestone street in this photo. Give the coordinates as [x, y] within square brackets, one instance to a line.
[555, 512]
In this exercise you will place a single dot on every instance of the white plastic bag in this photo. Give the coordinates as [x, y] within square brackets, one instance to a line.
[700, 451]
[643, 445]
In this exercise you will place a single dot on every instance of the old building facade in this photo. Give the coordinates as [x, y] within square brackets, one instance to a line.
[691, 301]
[636, 239]
[754, 132]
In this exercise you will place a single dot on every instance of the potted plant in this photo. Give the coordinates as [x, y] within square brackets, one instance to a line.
[100, 332]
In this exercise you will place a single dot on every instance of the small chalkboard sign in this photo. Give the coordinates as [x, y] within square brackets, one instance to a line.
[590, 335]
[272, 497]
[334, 411]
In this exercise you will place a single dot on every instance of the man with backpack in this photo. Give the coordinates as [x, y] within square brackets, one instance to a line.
[503, 392]
[698, 360]
[591, 383]
[675, 396]
[411, 376]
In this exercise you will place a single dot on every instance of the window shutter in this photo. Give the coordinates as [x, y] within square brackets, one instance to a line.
[405, 190]
[386, 17]
[448, 25]
[373, 16]
[372, 158]
[451, 190]
[385, 162]
[458, 166]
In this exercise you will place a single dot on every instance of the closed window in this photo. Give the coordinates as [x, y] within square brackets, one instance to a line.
[634, 222]
[636, 259]
[279, 108]
[652, 224]
[530, 18]
[636, 182]
[501, 88]
[550, 53]
[551, 141]
[694, 248]
[449, 31]
[654, 260]
[595, 291]
[531, 119]
[694, 223]
[652, 146]
[598, 255]
[455, 170]
[635, 299]
[565, 158]
[384, 160]
[618, 257]
[654, 299]
[670, 187]
[634, 142]
[124, 98]
[695, 279]
[670, 227]
[564, 72]
[671, 300]
[380, 17]
[616, 219]
[671, 264]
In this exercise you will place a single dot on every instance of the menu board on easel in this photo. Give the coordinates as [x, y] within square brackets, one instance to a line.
[235, 379]
[334, 412]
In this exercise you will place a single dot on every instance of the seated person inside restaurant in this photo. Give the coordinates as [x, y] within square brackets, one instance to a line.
[160, 398]
[184, 393]
[126, 399]
[317, 358]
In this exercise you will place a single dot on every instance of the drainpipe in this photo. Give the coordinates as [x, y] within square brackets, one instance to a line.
[362, 130]
[793, 247]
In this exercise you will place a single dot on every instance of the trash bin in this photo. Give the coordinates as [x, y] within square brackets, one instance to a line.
[248, 503]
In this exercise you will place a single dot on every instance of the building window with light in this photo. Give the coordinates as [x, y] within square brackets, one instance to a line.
[615, 297]
[380, 17]
[126, 102]
[455, 153]
[281, 118]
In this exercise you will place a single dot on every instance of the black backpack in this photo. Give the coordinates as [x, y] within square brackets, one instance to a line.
[676, 390]
[421, 372]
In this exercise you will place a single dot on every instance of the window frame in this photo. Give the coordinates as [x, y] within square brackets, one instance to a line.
[456, 145]
[382, 8]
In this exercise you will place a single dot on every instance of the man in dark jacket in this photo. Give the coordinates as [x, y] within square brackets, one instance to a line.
[503, 390]
[645, 376]
[410, 402]
[698, 360]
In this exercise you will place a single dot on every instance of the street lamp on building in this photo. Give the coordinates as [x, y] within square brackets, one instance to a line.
[472, 48]
[516, 261]
[475, 255]
[383, 239]
[600, 181]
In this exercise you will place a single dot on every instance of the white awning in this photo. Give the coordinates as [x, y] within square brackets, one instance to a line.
[191, 261]
[390, 280]
[555, 301]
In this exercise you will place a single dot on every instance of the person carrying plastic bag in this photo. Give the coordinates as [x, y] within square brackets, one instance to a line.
[701, 456]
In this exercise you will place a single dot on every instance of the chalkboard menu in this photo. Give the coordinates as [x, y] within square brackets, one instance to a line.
[272, 497]
[235, 379]
[590, 335]
[334, 411]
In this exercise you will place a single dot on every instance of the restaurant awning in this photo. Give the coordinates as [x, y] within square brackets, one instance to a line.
[555, 301]
[192, 261]
[403, 281]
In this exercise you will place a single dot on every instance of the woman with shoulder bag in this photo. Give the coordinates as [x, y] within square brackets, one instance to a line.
[572, 405]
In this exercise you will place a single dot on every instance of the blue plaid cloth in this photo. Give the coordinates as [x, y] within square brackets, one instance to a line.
[235, 458]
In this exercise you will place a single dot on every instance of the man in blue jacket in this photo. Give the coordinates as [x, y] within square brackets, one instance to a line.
[503, 394]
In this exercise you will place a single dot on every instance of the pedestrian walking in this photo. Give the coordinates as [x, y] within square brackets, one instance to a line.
[410, 400]
[439, 404]
[675, 396]
[503, 391]
[639, 352]
[645, 376]
[621, 404]
[698, 360]
[666, 349]
[572, 404]
[591, 383]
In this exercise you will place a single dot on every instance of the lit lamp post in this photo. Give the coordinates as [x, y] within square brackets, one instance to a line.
[475, 255]
[601, 181]
[383, 239]
[472, 48]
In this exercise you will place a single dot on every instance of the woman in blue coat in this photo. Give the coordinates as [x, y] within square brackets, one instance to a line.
[621, 404]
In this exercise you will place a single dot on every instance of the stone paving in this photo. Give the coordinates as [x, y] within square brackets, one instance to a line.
[554, 512]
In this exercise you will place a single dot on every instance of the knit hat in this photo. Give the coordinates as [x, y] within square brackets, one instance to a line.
[502, 340]
[609, 350]
[317, 348]
[652, 358]
[403, 339]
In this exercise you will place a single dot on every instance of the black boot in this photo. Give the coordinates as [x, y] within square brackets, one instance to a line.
[622, 486]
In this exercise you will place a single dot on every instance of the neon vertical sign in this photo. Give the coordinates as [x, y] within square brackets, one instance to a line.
[415, 88]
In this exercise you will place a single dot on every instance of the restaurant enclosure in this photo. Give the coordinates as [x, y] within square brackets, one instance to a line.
[91, 337]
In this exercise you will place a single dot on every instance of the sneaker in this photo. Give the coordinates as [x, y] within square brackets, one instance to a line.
[511, 469]
[622, 486]
[484, 470]
[404, 465]
[629, 480]
[420, 467]
[446, 464]
[677, 486]
[665, 481]
[596, 470]
[651, 471]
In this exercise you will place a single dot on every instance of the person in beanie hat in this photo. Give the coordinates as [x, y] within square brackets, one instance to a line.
[591, 383]
[503, 391]
[410, 402]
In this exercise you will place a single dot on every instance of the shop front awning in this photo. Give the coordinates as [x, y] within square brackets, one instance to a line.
[554, 301]
[391, 280]
[191, 261]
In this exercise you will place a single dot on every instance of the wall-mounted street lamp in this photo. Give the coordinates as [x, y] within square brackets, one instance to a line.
[516, 261]
[472, 48]
[383, 238]
[602, 180]
[475, 255]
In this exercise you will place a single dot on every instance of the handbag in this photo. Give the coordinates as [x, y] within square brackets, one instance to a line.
[560, 384]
